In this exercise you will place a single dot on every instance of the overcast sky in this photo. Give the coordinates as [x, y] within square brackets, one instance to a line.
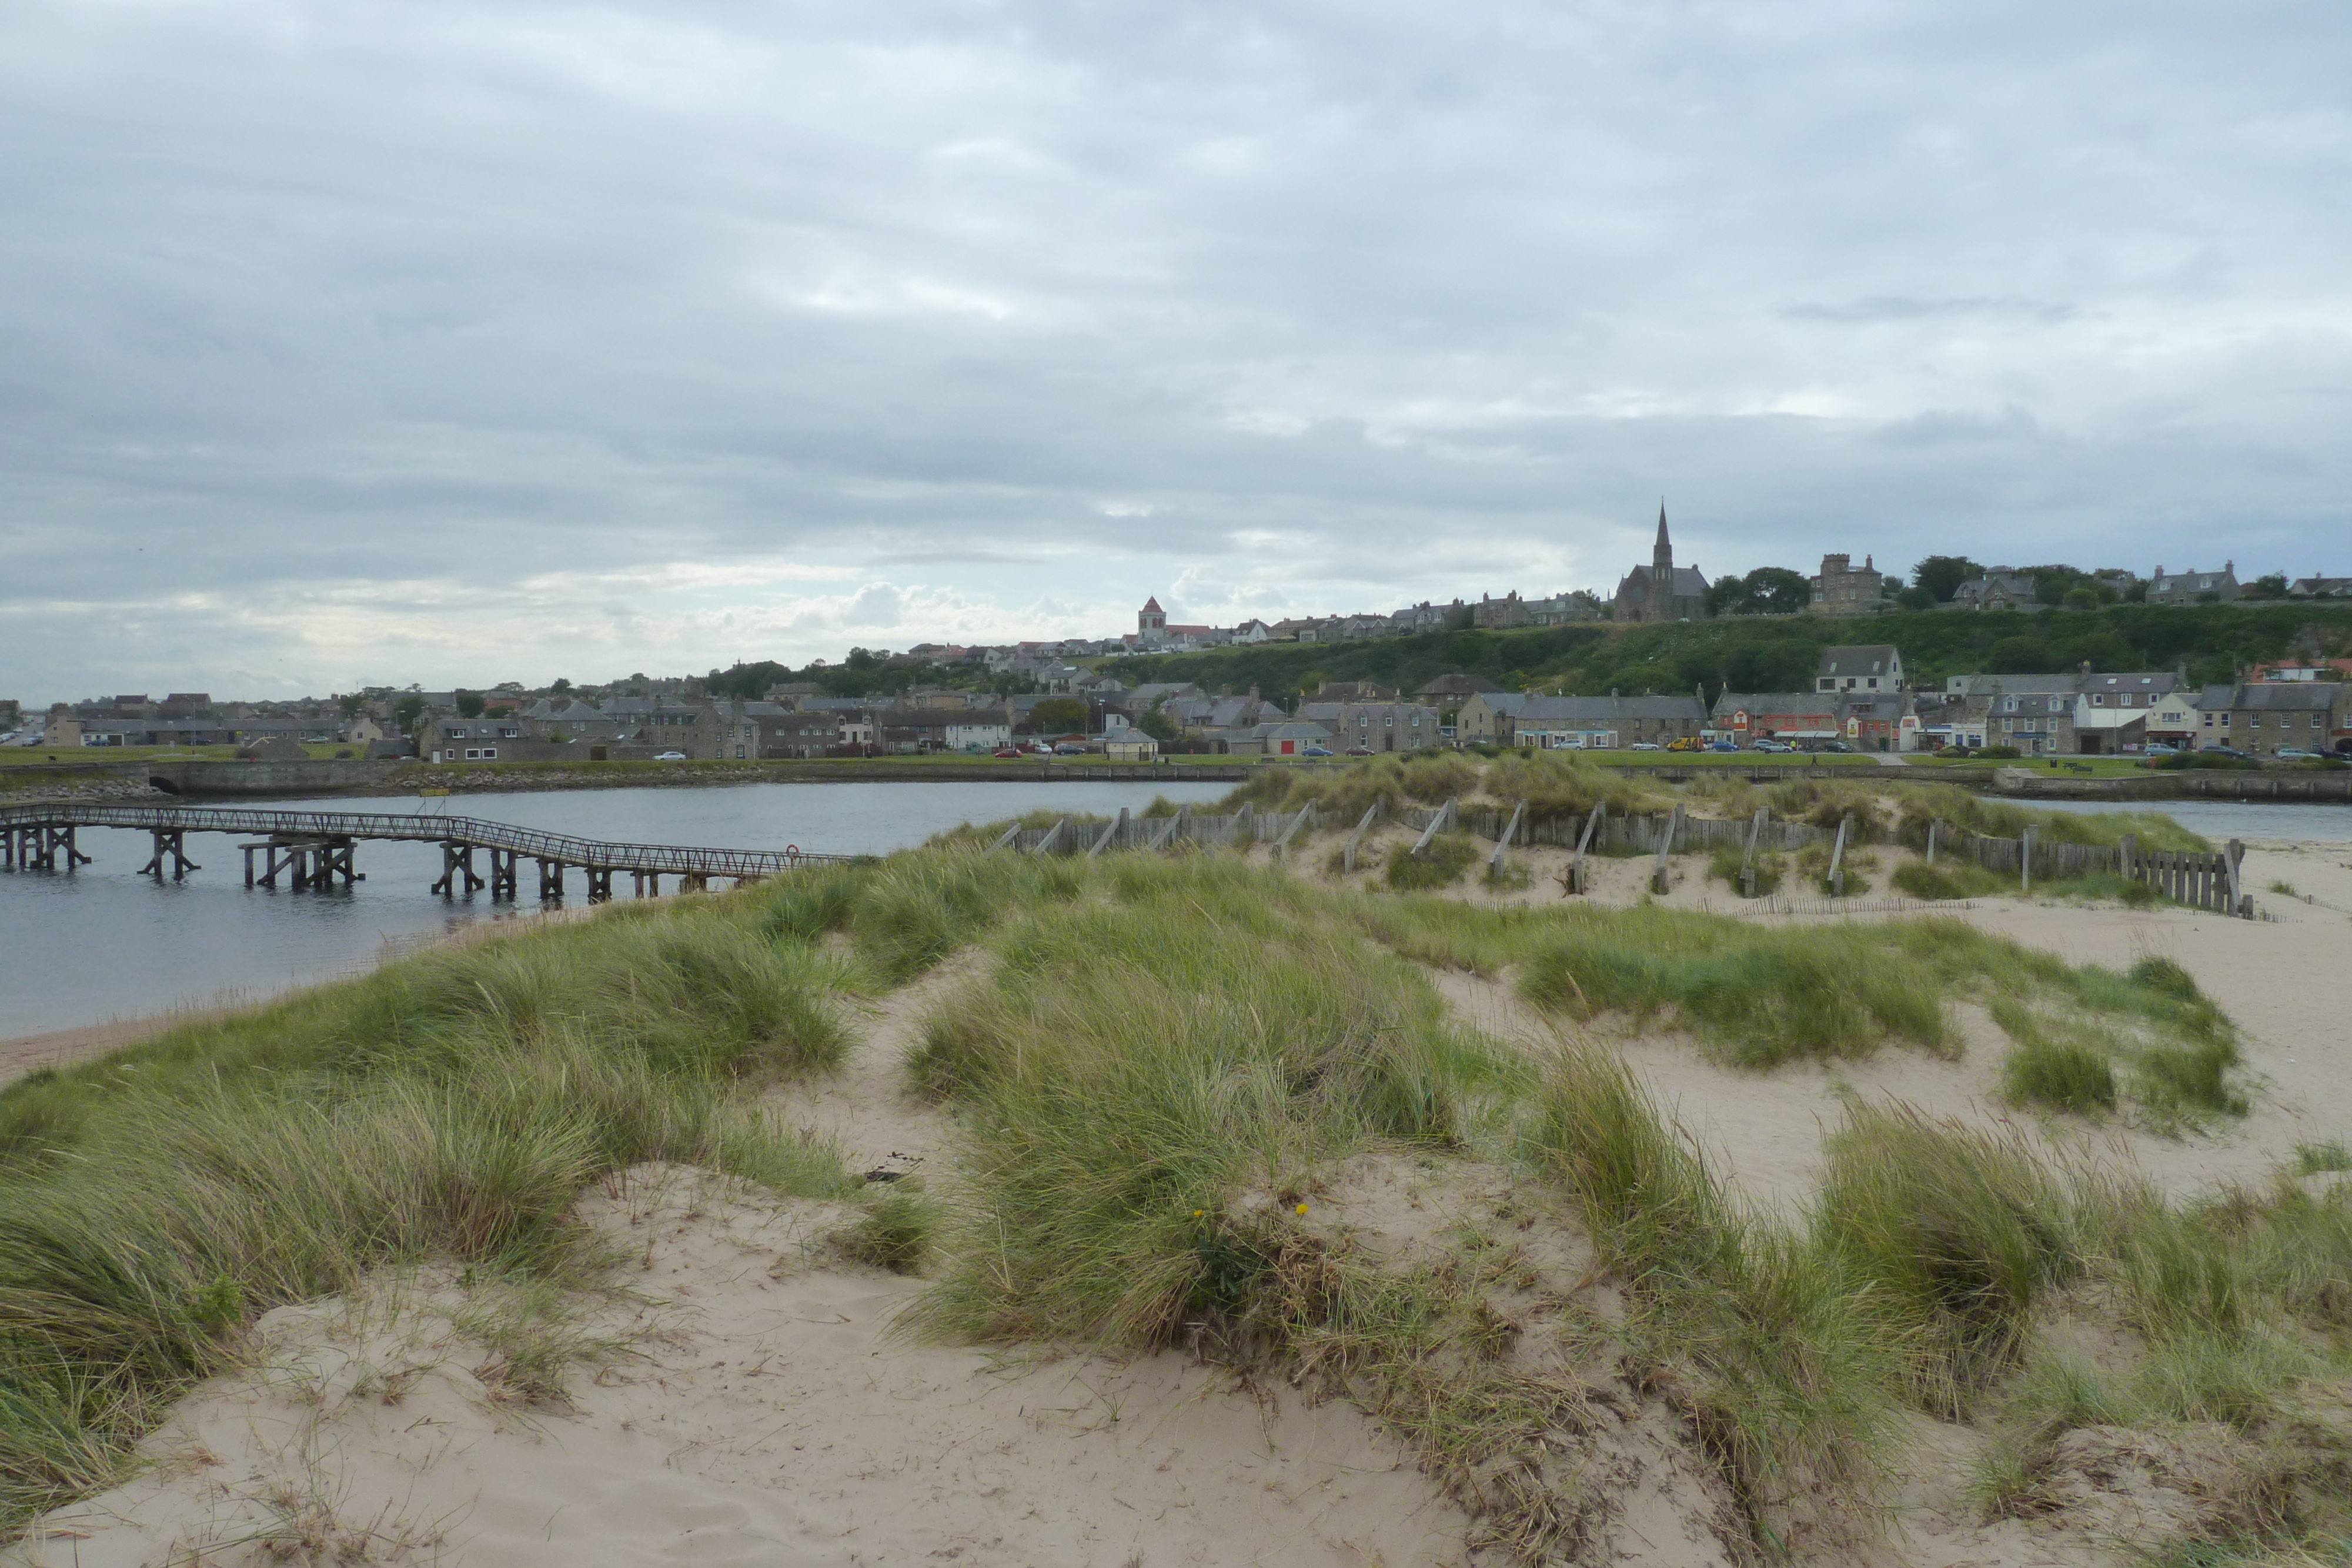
[348, 343]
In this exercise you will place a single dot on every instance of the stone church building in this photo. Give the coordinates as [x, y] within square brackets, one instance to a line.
[1662, 590]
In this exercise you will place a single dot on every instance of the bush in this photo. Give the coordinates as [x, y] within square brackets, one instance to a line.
[1958, 1233]
[1946, 879]
[1726, 863]
[1441, 864]
[2059, 1074]
[1765, 994]
[894, 1233]
[2165, 977]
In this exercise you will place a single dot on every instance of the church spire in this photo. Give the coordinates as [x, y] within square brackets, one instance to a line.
[1661, 558]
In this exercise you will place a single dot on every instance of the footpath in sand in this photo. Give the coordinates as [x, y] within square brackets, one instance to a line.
[756, 1408]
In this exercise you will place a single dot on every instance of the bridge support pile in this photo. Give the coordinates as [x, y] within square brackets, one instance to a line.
[309, 863]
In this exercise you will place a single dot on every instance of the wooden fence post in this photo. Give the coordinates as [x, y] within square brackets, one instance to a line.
[1933, 824]
[2025, 861]
[1503, 844]
[1347, 849]
[1109, 832]
[1437, 825]
[2240, 905]
[1748, 861]
[1837, 860]
[1304, 814]
[1591, 825]
[1665, 847]
[2128, 858]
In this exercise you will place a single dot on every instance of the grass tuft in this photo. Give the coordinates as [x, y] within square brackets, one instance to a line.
[1958, 1235]
[1439, 864]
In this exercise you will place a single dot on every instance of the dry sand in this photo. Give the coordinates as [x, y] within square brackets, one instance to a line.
[760, 1409]
[763, 1412]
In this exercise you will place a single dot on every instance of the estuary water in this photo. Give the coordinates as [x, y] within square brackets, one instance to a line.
[2221, 820]
[106, 942]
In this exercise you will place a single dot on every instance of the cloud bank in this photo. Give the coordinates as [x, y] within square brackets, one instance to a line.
[346, 342]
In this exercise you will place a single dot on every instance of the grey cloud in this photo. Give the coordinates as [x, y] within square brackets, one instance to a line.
[1364, 302]
[1865, 312]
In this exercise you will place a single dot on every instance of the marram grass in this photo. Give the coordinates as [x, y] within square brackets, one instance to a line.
[1157, 1047]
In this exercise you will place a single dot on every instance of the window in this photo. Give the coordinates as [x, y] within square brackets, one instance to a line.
[472, 755]
[489, 753]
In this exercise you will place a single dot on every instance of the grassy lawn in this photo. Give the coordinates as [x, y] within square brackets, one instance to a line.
[1625, 759]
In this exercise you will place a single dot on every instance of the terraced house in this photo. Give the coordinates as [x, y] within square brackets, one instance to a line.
[1374, 726]
[2266, 718]
[1554, 723]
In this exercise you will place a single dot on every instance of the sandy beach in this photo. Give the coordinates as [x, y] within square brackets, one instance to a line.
[758, 1405]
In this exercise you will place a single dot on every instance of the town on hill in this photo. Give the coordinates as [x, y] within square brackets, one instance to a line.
[2049, 660]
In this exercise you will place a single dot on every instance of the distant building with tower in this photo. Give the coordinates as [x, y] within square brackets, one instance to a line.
[1662, 590]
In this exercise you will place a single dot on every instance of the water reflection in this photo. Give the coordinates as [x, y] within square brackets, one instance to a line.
[105, 942]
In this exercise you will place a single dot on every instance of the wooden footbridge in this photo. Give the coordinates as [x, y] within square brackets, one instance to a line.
[314, 849]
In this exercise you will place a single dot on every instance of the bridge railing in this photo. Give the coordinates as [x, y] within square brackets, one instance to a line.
[471, 831]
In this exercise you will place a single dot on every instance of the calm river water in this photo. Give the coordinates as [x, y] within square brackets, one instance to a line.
[2224, 820]
[106, 942]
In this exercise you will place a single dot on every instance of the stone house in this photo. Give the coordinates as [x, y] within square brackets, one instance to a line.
[1485, 718]
[2320, 587]
[2193, 586]
[1841, 589]
[2266, 718]
[1375, 725]
[1999, 589]
[1590, 723]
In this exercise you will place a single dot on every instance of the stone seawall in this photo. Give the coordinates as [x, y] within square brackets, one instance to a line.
[206, 775]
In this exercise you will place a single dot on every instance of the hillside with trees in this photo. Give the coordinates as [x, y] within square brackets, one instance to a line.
[2213, 641]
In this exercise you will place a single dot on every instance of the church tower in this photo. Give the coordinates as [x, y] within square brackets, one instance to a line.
[1661, 558]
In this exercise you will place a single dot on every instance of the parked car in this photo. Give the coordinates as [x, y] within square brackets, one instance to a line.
[2159, 749]
[1359, 751]
[1069, 748]
[669, 756]
[1684, 743]
[2292, 754]
[1014, 752]
[2221, 751]
[1723, 745]
[1646, 745]
[1769, 744]
[1315, 751]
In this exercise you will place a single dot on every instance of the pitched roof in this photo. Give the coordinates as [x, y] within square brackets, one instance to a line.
[2280, 697]
[1578, 710]
[1862, 659]
[1773, 701]
[1151, 606]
